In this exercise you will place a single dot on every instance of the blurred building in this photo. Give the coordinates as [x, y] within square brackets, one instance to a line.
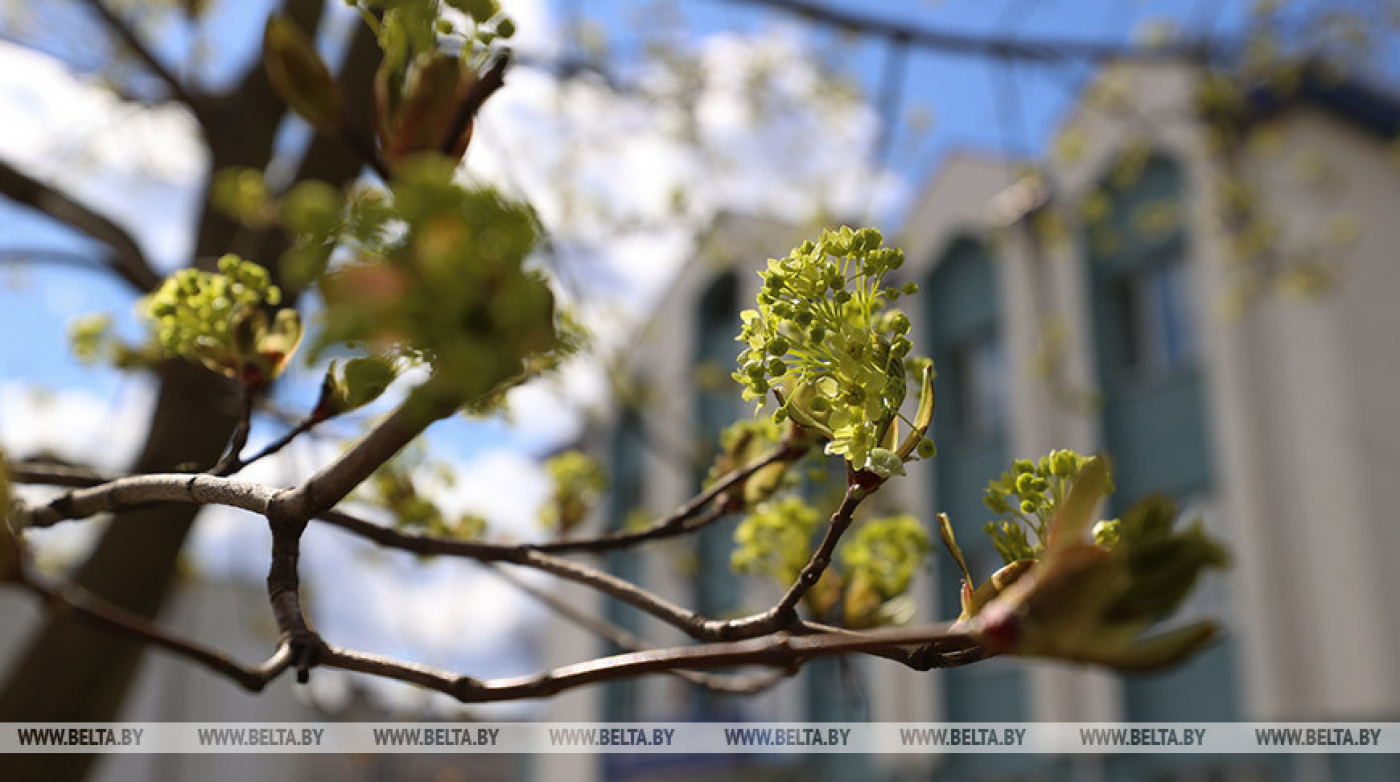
[1101, 311]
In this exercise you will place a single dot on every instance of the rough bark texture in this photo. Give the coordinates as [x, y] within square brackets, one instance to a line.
[70, 671]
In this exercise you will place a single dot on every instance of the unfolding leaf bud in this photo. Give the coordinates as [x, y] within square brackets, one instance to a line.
[299, 76]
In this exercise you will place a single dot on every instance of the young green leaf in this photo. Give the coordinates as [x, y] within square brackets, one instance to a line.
[299, 76]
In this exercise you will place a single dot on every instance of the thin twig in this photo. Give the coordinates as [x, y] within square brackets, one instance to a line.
[1004, 48]
[821, 558]
[129, 261]
[675, 522]
[780, 651]
[231, 463]
[124, 31]
[690, 622]
[302, 427]
[54, 474]
[70, 597]
[627, 641]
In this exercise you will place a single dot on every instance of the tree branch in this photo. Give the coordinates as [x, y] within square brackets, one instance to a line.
[129, 261]
[302, 427]
[288, 511]
[306, 650]
[309, 650]
[54, 474]
[81, 503]
[691, 623]
[231, 461]
[780, 651]
[621, 638]
[424, 405]
[1005, 48]
[203, 488]
[675, 523]
[127, 35]
[197, 488]
[821, 558]
[70, 597]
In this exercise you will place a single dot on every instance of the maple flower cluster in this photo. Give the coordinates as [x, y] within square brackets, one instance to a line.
[219, 319]
[823, 338]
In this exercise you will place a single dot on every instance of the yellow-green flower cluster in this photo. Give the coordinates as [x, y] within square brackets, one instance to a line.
[1090, 602]
[218, 319]
[579, 481]
[883, 556]
[93, 340]
[89, 336]
[865, 586]
[745, 441]
[394, 487]
[775, 539]
[1030, 495]
[822, 336]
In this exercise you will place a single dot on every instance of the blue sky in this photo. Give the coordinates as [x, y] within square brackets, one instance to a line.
[959, 93]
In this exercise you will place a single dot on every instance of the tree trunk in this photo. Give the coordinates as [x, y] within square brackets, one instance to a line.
[70, 671]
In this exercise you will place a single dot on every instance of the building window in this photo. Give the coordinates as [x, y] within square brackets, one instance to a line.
[716, 408]
[963, 316]
[1154, 416]
[1154, 309]
[979, 369]
[1154, 407]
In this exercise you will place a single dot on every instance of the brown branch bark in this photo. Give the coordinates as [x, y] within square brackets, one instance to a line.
[778, 651]
[125, 33]
[308, 650]
[128, 260]
[70, 598]
[629, 642]
[197, 488]
[290, 509]
[675, 523]
[996, 47]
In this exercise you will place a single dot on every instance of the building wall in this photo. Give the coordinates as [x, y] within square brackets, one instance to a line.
[1297, 439]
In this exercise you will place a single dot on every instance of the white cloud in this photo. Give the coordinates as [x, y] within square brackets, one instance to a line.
[75, 425]
[126, 161]
[506, 487]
